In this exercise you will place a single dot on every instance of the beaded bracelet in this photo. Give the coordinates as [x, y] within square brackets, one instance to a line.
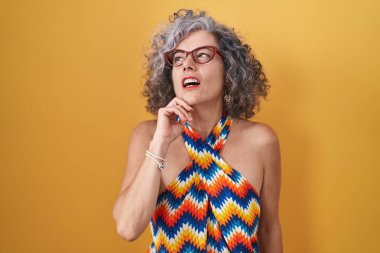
[161, 164]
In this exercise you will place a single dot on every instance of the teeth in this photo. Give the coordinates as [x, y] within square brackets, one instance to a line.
[190, 81]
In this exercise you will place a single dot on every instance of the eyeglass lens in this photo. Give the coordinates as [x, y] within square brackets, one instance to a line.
[201, 55]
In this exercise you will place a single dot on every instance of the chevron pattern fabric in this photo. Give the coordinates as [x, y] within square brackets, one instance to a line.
[209, 207]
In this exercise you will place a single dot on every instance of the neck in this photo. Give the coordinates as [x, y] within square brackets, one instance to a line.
[205, 117]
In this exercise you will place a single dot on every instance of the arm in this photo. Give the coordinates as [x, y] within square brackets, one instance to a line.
[138, 196]
[270, 238]
[136, 202]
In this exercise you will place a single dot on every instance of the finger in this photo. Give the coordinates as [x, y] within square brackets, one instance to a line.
[178, 101]
[173, 102]
[186, 113]
[184, 104]
[173, 112]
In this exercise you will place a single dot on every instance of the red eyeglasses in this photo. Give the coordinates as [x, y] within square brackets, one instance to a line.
[200, 55]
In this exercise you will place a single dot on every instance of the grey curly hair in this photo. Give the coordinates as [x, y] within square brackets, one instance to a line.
[245, 81]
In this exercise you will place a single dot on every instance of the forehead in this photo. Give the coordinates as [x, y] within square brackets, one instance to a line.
[197, 39]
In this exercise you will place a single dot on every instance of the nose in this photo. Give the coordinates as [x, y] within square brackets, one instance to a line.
[188, 63]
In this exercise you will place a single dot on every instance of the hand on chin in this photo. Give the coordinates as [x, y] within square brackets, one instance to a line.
[191, 100]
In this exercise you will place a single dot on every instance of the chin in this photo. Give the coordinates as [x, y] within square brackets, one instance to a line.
[190, 100]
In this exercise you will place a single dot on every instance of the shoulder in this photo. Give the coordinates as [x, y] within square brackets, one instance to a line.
[260, 136]
[259, 132]
[144, 129]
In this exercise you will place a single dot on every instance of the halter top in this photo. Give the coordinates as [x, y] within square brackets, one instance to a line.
[209, 207]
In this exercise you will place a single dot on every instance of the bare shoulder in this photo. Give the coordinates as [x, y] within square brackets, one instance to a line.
[260, 136]
[145, 130]
[261, 133]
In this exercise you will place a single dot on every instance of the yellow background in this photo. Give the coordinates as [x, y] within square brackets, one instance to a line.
[71, 78]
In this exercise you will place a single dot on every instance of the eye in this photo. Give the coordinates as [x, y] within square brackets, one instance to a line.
[203, 55]
[177, 59]
[178, 56]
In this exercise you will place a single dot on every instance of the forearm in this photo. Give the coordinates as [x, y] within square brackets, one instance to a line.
[270, 239]
[136, 204]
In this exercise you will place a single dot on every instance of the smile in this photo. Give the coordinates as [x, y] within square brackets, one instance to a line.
[190, 81]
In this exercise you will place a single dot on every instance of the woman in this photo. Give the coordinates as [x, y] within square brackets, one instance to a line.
[206, 178]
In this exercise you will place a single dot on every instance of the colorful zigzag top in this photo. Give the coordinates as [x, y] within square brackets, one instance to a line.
[209, 207]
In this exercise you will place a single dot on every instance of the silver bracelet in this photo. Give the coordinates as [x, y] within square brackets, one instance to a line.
[161, 164]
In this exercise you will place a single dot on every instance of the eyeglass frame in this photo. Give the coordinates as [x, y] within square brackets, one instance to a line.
[214, 49]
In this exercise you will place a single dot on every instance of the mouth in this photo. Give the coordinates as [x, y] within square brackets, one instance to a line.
[190, 81]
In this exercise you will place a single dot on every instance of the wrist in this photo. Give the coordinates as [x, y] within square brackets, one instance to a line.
[159, 147]
[161, 162]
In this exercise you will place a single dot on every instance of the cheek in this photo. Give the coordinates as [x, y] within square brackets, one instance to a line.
[176, 81]
[175, 78]
[221, 75]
